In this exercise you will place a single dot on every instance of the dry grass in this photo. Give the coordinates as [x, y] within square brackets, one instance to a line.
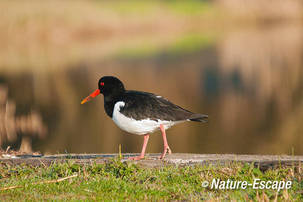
[56, 33]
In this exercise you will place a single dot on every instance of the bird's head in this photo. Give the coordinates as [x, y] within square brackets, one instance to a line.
[108, 86]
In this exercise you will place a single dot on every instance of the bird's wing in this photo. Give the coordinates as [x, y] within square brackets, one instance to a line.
[142, 105]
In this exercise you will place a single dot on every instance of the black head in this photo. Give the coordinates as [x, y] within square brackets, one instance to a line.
[109, 86]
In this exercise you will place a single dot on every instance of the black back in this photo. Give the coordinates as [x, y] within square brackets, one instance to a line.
[143, 105]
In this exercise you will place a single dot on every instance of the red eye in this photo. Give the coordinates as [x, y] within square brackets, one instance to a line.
[102, 83]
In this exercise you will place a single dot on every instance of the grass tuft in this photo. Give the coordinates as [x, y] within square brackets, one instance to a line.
[116, 180]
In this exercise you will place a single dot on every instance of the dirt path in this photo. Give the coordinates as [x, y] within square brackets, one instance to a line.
[180, 159]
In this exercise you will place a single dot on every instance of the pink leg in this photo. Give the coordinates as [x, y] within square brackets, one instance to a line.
[146, 137]
[166, 147]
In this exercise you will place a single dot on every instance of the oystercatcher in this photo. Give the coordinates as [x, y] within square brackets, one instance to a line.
[141, 113]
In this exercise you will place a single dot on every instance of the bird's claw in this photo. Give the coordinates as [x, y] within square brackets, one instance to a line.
[136, 158]
[169, 150]
[166, 149]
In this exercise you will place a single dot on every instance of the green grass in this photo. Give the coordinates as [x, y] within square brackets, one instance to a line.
[127, 181]
[186, 44]
[178, 7]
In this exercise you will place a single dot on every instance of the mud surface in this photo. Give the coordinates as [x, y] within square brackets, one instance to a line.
[178, 159]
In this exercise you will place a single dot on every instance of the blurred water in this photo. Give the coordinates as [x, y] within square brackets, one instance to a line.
[248, 81]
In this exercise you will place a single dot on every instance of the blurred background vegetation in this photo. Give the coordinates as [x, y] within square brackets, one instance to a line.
[238, 61]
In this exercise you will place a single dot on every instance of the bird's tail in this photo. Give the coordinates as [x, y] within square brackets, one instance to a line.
[199, 118]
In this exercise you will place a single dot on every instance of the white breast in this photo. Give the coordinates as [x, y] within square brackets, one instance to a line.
[138, 127]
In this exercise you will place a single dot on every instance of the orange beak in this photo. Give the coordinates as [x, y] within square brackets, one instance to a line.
[94, 94]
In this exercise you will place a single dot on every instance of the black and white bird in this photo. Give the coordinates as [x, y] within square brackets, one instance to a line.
[141, 113]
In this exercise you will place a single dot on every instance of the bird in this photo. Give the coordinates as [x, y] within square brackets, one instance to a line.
[141, 113]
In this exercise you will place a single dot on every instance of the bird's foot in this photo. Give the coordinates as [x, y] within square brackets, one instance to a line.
[136, 158]
[166, 150]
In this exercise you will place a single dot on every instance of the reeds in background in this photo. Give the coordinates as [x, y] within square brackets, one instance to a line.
[26, 127]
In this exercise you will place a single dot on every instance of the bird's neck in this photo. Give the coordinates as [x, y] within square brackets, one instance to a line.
[109, 103]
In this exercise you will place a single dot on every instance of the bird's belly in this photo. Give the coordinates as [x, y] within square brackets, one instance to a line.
[139, 127]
